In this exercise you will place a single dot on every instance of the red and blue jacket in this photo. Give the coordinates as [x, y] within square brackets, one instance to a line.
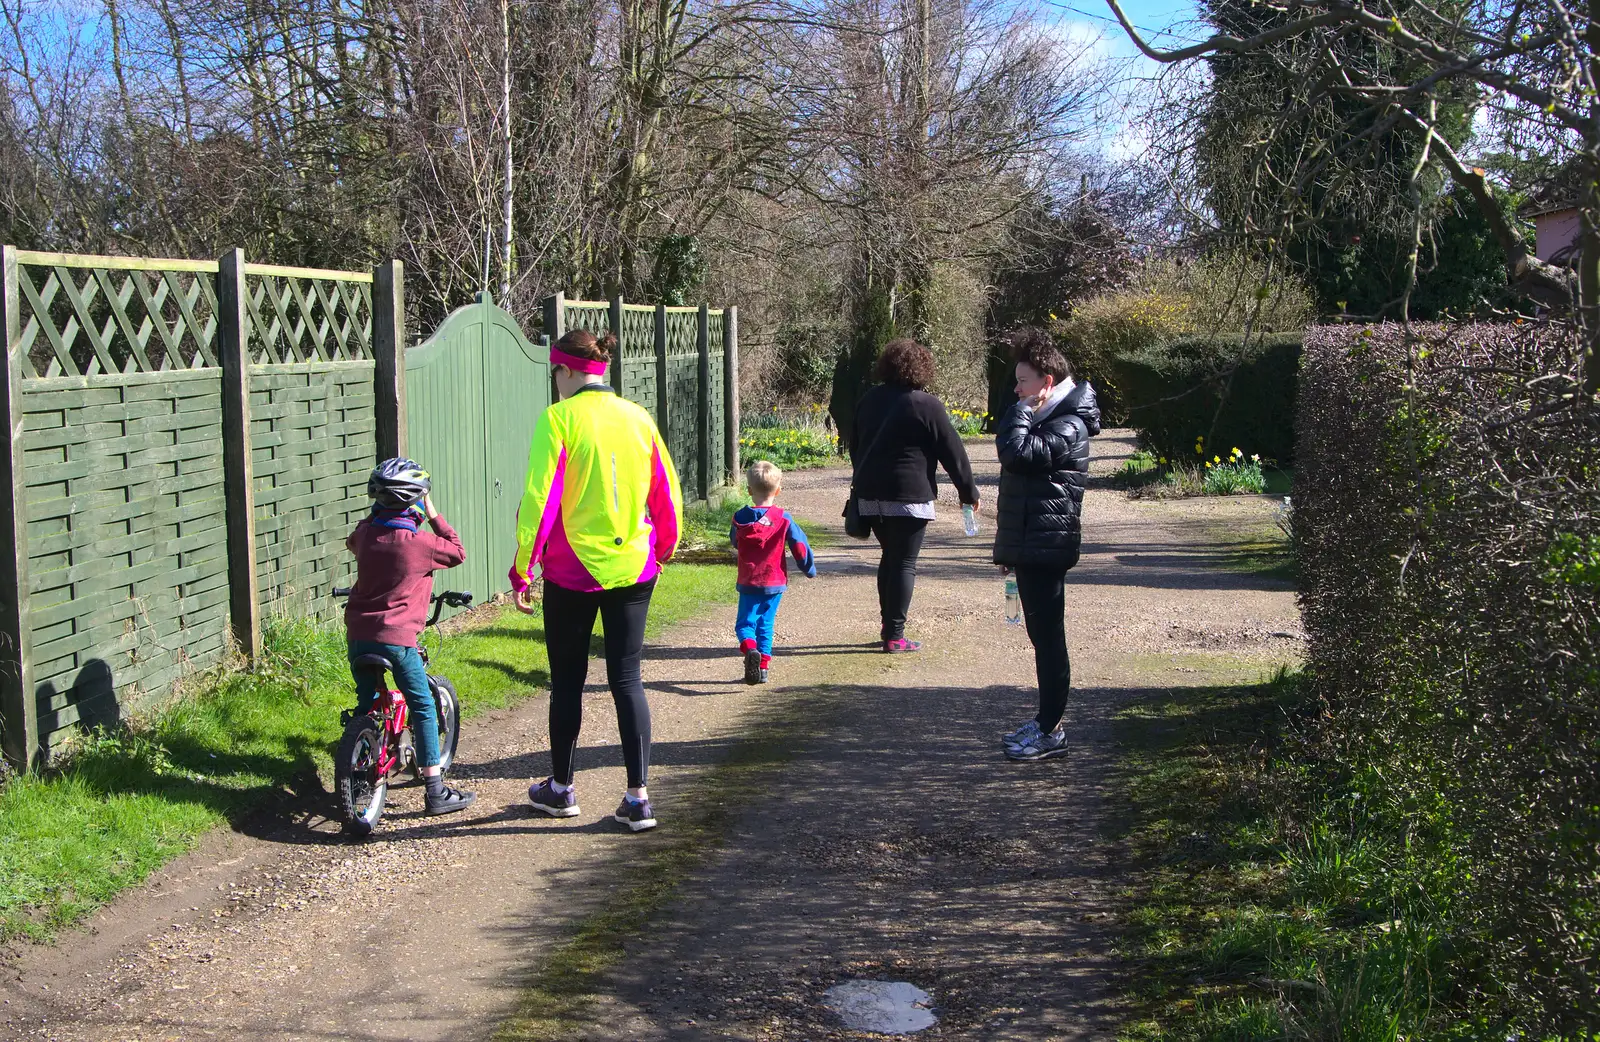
[760, 535]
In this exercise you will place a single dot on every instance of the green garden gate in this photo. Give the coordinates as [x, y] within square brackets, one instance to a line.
[474, 391]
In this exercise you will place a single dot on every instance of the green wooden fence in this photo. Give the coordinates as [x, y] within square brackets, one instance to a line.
[188, 446]
[189, 443]
[681, 364]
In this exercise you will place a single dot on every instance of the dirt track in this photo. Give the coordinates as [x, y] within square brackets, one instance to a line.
[898, 843]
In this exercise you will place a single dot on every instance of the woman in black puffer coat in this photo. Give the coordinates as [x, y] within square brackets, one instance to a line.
[1043, 443]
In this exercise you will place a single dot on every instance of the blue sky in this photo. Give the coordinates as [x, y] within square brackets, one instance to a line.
[1163, 22]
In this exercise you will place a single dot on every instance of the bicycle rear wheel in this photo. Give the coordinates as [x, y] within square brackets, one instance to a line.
[362, 793]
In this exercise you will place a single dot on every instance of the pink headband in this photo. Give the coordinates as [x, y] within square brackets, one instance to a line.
[590, 366]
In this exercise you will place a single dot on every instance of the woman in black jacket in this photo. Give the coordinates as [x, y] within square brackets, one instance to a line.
[901, 435]
[1043, 443]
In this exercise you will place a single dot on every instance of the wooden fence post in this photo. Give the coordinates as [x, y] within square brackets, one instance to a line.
[19, 707]
[555, 327]
[389, 357]
[238, 470]
[730, 392]
[662, 400]
[616, 331]
[702, 343]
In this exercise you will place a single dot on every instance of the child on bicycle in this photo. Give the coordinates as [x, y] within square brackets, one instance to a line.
[761, 533]
[388, 605]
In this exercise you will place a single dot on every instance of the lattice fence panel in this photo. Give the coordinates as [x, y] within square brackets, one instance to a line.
[718, 419]
[639, 355]
[126, 539]
[300, 318]
[313, 443]
[595, 316]
[683, 389]
[83, 321]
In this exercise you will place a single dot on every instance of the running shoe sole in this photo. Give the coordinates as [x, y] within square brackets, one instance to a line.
[752, 667]
[1014, 753]
[637, 826]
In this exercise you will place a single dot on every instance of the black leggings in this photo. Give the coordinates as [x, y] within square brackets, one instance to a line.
[1044, 608]
[901, 539]
[568, 625]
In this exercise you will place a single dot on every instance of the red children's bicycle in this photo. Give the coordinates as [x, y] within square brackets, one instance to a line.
[378, 745]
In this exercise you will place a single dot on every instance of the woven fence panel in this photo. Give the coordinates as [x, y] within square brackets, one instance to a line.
[126, 539]
[683, 390]
[313, 443]
[639, 355]
[300, 318]
[718, 420]
[81, 321]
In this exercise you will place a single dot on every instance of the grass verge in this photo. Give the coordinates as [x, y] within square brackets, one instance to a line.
[128, 801]
[1266, 903]
[567, 979]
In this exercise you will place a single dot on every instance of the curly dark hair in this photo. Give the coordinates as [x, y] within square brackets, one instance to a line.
[905, 362]
[584, 344]
[1036, 347]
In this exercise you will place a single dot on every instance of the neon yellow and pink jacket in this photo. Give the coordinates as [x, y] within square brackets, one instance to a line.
[602, 508]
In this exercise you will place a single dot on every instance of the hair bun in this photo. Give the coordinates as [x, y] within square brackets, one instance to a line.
[607, 345]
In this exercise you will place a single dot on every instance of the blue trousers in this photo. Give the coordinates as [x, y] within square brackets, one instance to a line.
[757, 613]
[412, 676]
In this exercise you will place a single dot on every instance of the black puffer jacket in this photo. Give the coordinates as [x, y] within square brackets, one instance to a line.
[1043, 468]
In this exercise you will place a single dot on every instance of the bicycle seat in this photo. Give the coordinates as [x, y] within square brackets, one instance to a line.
[380, 661]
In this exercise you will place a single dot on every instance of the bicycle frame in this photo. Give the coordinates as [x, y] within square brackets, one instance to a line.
[396, 715]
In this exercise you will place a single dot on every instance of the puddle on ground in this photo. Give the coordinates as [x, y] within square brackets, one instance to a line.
[885, 1007]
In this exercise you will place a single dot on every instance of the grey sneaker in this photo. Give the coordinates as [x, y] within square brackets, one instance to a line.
[1040, 747]
[556, 804]
[637, 815]
[1027, 732]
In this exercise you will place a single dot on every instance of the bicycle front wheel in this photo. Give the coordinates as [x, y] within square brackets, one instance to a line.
[362, 793]
[449, 706]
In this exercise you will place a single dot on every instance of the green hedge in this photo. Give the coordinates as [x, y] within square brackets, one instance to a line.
[1446, 511]
[1172, 392]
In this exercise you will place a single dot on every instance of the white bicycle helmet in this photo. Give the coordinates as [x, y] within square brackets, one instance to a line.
[398, 483]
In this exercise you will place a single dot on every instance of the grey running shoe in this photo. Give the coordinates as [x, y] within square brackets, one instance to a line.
[1027, 732]
[752, 667]
[556, 804]
[636, 815]
[1042, 747]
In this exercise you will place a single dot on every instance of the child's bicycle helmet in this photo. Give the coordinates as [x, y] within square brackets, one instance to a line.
[398, 483]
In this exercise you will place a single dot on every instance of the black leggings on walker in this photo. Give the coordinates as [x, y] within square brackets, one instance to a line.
[568, 624]
[901, 540]
[1044, 608]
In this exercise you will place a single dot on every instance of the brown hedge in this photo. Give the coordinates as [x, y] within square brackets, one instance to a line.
[1445, 516]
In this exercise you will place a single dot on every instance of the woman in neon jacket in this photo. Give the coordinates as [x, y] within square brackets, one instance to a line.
[600, 515]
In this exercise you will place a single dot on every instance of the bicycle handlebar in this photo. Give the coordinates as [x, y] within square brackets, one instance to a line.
[441, 600]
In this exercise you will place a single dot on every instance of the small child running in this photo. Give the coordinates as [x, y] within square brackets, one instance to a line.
[760, 532]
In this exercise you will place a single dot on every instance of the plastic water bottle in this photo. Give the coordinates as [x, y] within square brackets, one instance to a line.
[1013, 602]
[969, 518]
